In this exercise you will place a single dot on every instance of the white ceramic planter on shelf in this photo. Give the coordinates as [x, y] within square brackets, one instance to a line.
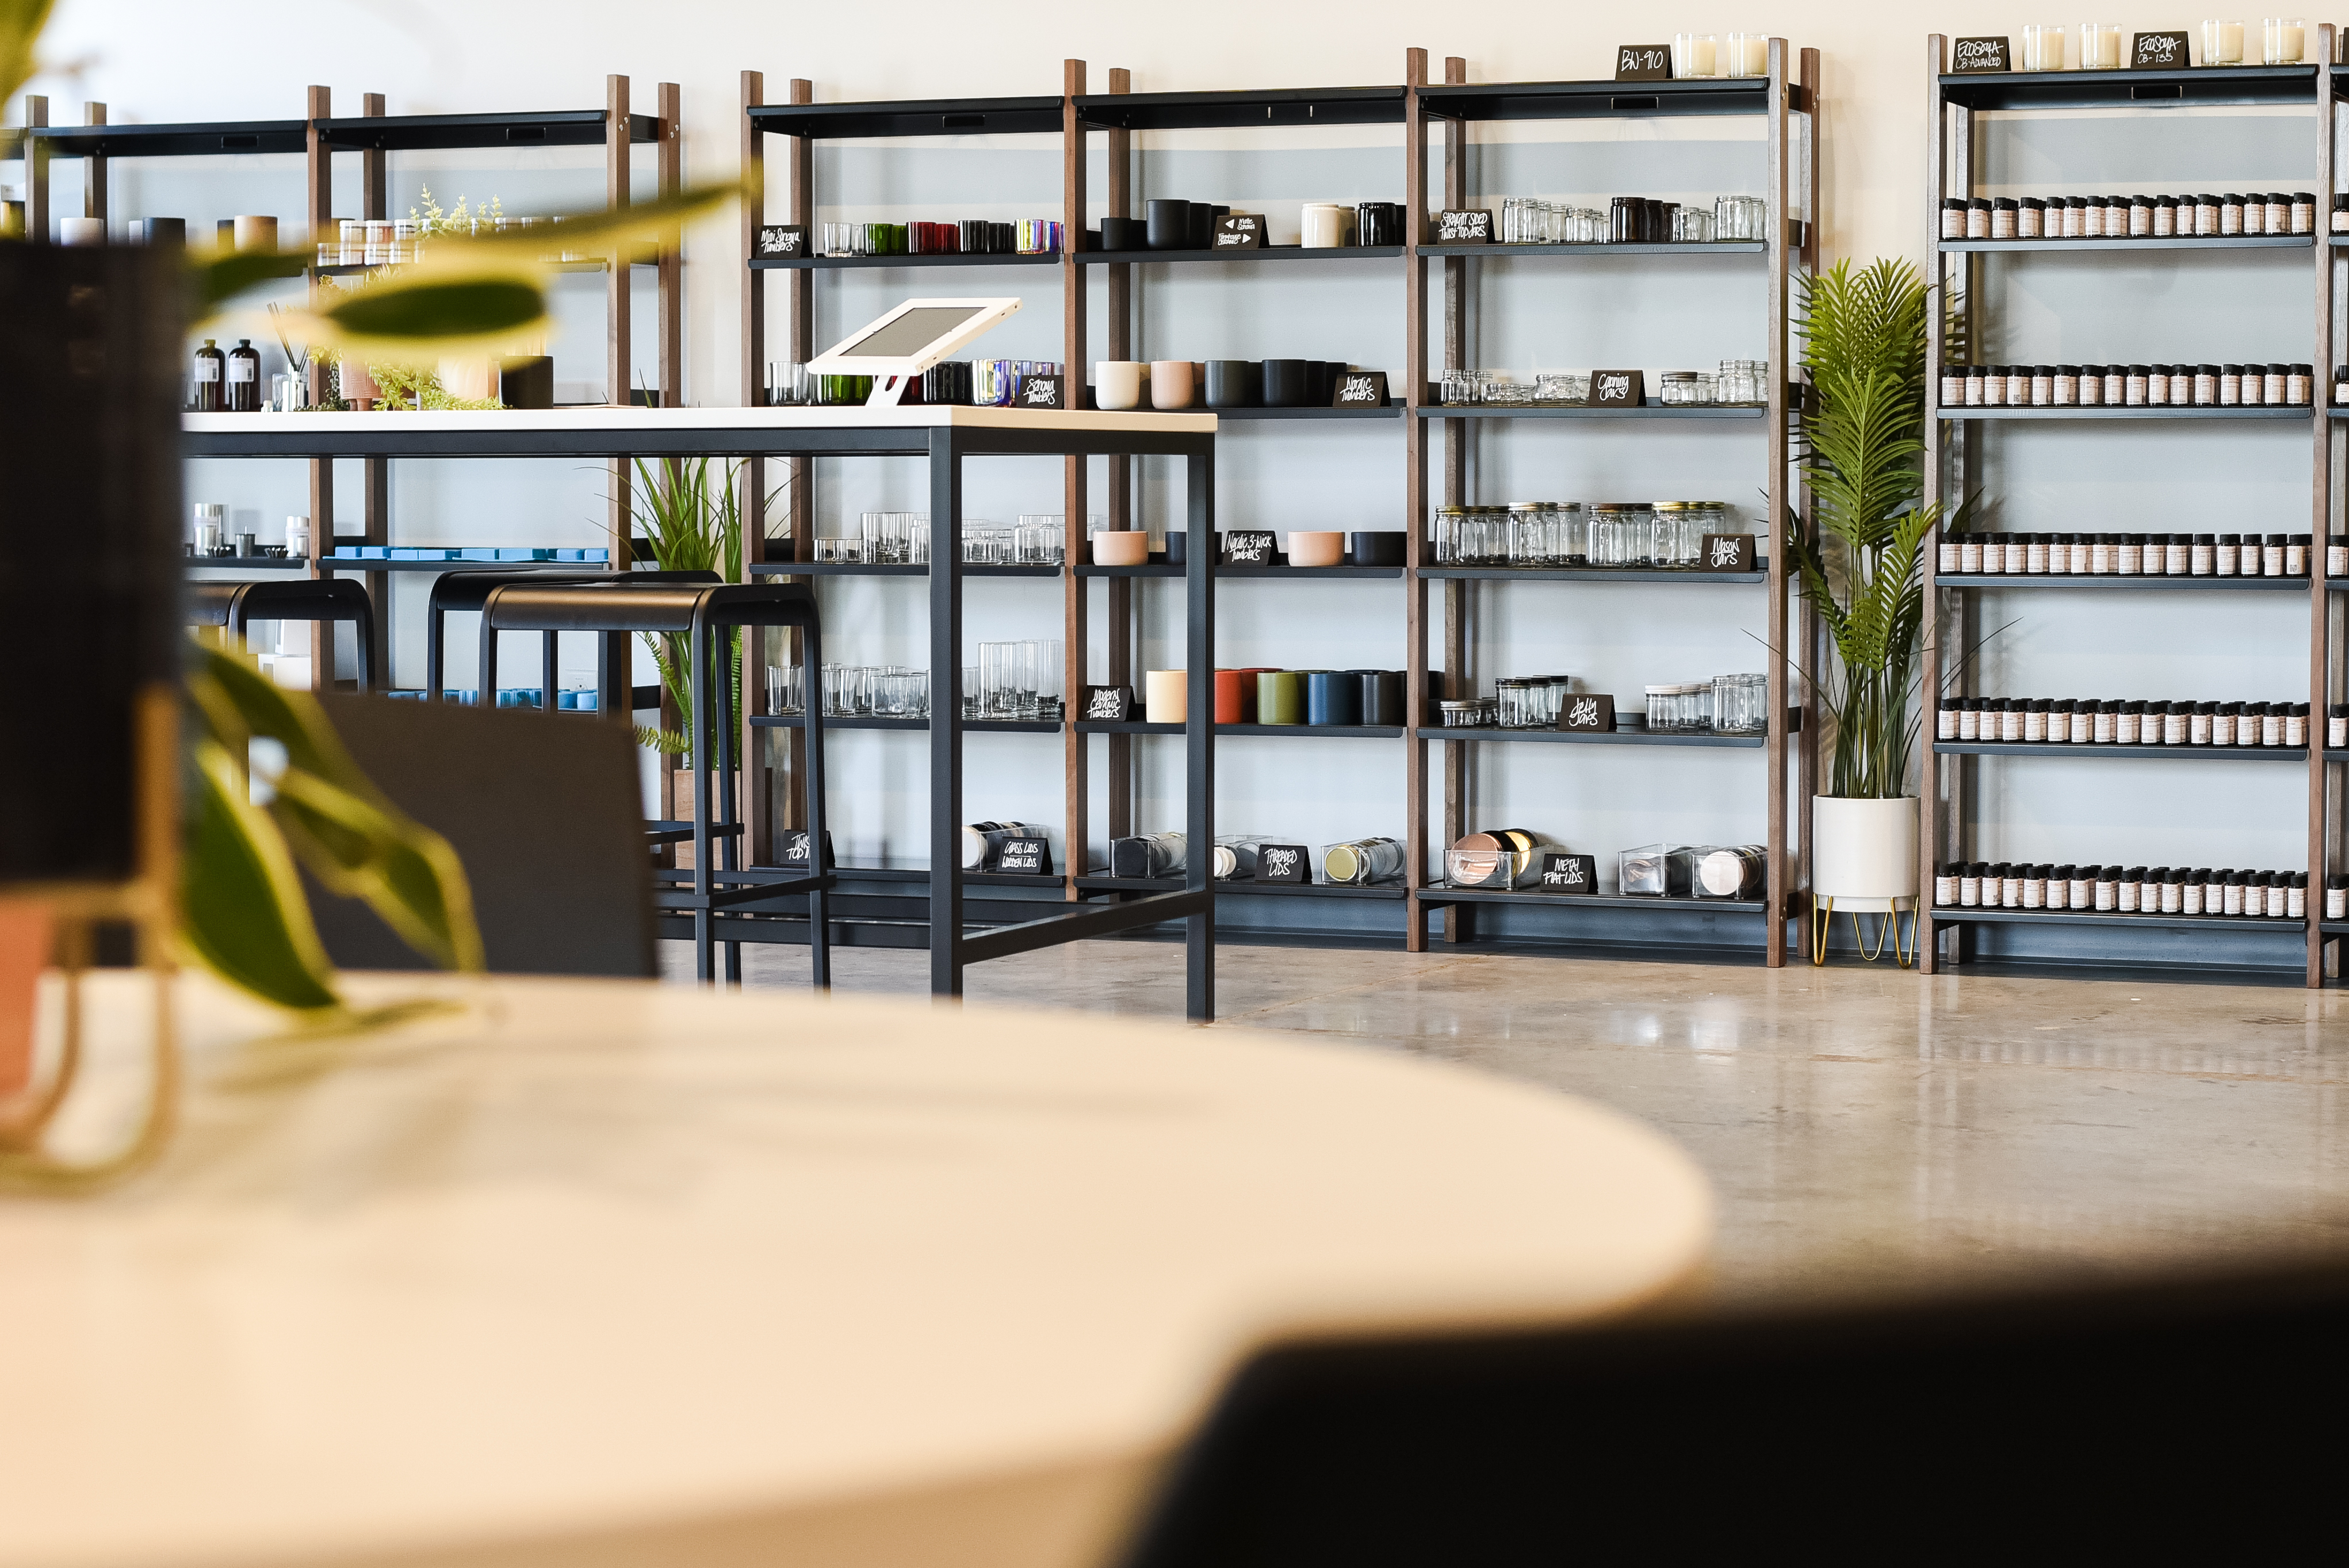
[1864, 852]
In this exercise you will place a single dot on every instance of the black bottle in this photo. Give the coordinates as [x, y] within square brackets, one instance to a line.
[209, 392]
[244, 378]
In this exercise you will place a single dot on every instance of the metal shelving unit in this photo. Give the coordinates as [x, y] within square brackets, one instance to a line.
[1953, 439]
[1455, 107]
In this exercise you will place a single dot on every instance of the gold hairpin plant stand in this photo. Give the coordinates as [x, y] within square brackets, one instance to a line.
[73, 912]
[1904, 948]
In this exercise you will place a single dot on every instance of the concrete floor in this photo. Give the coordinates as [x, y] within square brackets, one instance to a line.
[1868, 1131]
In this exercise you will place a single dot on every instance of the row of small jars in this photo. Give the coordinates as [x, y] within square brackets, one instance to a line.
[2128, 889]
[2136, 554]
[1666, 535]
[2127, 386]
[2128, 217]
[2067, 721]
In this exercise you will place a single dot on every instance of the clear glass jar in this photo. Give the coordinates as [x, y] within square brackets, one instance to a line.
[1449, 522]
[1680, 387]
[1663, 708]
[1573, 534]
[1677, 535]
[1528, 534]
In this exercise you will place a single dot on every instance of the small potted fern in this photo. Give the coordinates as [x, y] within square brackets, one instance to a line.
[1858, 556]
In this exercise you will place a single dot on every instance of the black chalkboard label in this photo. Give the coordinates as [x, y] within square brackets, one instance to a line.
[1112, 703]
[1239, 232]
[1281, 863]
[1025, 857]
[1247, 548]
[1043, 392]
[1615, 389]
[782, 241]
[1981, 55]
[1569, 874]
[1466, 228]
[1589, 711]
[795, 850]
[1729, 552]
[1643, 62]
[1360, 389]
[2160, 52]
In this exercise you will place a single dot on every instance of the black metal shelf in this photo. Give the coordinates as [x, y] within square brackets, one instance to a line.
[245, 563]
[854, 264]
[2066, 749]
[187, 140]
[917, 878]
[1103, 882]
[1649, 409]
[1268, 252]
[369, 563]
[1325, 731]
[2115, 580]
[2112, 918]
[868, 721]
[1386, 411]
[1228, 574]
[2143, 412]
[2132, 89]
[1608, 248]
[2101, 245]
[1598, 100]
[859, 569]
[1593, 737]
[913, 117]
[1444, 893]
[1239, 110]
[429, 132]
[1587, 574]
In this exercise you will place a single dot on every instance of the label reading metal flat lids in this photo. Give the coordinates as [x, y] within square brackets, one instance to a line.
[1643, 62]
[1970, 55]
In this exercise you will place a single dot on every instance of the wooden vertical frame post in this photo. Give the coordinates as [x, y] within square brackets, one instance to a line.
[669, 258]
[1414, 503]
[375, 202]
[2319, 661]
[1119, 591]
[1459, 919]
[93, 175]
[1810, 631]
[320, 187]
[36, 170]
[1778, 899]
[799, 304]
[1076, 830]
[1928, 662]
[618, 654]
[750, 478]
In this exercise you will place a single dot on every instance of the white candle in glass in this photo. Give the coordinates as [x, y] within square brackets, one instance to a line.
[1694, 54]
[2281, 41]
[2100, 46]
[1749, 54]
[2042, 48]
[2222, 43]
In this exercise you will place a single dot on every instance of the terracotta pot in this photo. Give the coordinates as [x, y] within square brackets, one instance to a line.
[1316, 549]
[359, 389]
[1121, 548]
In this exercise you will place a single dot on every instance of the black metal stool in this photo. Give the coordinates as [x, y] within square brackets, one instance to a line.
[454, 592]
[622, 603]
[237, 606]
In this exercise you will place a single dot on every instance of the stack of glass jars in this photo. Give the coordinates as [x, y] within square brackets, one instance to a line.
[1741, 218]
[1015, 680]
[1556, 389]
[1529, 220]
[1692, 225]
[1684, 708]
[1741, 704]
[1471, 537]
[1742, 382]
[894, 538]
[1679, 534]
[785, 691]
[1548, 534]
[1529, 702]
[1622, 535]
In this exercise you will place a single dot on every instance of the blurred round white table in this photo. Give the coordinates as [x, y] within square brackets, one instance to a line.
[599, 1273]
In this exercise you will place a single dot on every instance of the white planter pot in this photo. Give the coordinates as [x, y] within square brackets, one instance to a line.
[1863, 851]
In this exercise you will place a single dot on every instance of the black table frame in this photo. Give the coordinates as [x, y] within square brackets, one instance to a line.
[946, 448]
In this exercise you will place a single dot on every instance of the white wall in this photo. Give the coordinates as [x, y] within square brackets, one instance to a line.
[153, 61]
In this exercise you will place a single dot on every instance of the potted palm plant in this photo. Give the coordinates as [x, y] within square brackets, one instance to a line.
[1858, 556]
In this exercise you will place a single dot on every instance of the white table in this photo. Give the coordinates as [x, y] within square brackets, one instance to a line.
[603, 1273]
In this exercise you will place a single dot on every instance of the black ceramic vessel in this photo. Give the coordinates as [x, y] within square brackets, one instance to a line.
[1168, 227]
[1124, 234]
[1375, 550]
[1289, 383]
[1234, 384]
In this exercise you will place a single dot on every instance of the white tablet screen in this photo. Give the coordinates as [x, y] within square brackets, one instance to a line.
[912, 332]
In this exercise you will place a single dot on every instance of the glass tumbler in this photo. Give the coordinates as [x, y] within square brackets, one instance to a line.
[2222, 43]
[2101, 46]
[1749, 55]
[2284, 41]
[1694, 54]
[2042, 48]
